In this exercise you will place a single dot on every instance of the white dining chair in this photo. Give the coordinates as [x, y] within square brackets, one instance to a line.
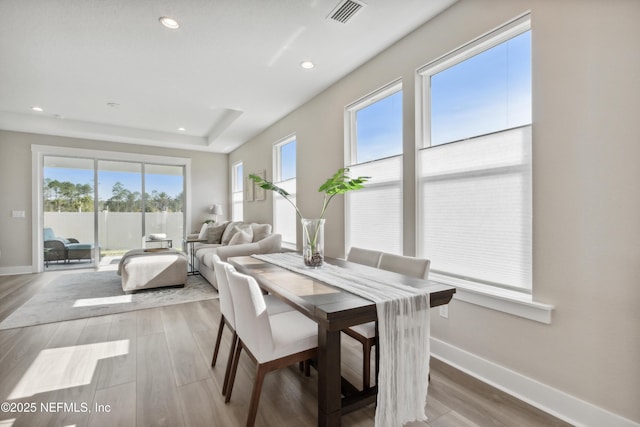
[227, 314]
[407, 265]
[367, 333]
[364, 256]
[272, 341]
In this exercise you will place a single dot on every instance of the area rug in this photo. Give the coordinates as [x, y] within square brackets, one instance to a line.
[88, 294]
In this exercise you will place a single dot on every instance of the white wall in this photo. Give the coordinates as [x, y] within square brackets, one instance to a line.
[116, 230]
[209, 184]
[586, 154]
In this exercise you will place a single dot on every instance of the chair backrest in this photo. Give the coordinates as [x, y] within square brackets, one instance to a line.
[364, 256]
[252, 319]
[49, 234]
[226, 300]
[407, 265]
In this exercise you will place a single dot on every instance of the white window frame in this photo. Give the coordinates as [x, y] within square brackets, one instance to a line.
[351, 147]
[234, 188]
[277, 178]
[505, 300]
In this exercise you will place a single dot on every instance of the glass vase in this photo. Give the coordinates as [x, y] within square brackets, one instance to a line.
[313, 242]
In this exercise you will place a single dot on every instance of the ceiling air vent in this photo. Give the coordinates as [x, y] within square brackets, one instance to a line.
[345, 10]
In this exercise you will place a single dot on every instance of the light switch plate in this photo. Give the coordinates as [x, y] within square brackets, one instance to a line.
[444, 311]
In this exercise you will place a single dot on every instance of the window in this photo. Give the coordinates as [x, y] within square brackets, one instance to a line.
[374, 148]
[236, 192]
[284, 167]
[474, 190]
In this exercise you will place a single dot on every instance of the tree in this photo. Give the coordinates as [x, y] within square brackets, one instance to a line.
[66, 196]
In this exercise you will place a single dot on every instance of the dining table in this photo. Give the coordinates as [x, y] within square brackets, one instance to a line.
[334, 310]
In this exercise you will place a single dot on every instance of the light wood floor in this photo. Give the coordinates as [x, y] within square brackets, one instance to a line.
[151, 367]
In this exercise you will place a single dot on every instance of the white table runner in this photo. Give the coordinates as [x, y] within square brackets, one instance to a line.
[403, 328]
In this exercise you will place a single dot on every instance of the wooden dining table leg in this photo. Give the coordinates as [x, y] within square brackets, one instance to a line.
[329, 378]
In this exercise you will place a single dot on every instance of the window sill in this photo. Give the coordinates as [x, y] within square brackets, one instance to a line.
[504, 300]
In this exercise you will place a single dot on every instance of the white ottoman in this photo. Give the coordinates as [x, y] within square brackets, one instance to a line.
[152, 269]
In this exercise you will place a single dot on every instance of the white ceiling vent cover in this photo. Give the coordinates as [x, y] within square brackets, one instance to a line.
[345, 10]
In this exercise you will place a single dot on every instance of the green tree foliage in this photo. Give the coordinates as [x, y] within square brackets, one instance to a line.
[65, 196]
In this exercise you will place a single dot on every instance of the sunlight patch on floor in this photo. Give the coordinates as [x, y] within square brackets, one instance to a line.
[65, 367]
[88, 302]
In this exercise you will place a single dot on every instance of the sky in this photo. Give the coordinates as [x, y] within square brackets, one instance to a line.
[379, 129]
[288, 160]
[486, 93]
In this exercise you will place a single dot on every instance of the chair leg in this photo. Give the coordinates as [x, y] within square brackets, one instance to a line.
[307, 368]
[234, 369]
[255, 395]
[218, 339]
[232, 350]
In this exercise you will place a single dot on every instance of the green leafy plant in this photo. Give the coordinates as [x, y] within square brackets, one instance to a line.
[339, 183]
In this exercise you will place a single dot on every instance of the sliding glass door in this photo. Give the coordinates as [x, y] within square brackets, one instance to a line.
[99, 204]
[164, 202]
[119, 206]
[126, 191]
[134, 201]
[68, 212]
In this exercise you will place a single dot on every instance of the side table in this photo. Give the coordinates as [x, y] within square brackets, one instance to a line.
[189, 243]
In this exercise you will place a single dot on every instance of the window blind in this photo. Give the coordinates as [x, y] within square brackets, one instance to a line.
[475, 208]
[374, 213]
[236, 211]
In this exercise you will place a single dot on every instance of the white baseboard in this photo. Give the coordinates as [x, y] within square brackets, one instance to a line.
[19, 269]
[550, 400]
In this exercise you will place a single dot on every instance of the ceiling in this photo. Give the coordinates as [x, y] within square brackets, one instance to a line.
[107, 69]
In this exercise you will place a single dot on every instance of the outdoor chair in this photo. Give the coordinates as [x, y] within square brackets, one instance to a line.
[65, 249]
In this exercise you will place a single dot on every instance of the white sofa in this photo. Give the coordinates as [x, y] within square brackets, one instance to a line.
[262, 241]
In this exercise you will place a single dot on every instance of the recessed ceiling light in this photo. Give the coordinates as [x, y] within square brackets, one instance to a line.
[38, 109]
[170, 23]
[307, 65]
[181, 129]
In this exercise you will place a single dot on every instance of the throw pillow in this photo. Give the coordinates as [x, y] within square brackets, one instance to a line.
[260, 231]
[203, 232]
[229, 231]
[214, 233]
[242, 235]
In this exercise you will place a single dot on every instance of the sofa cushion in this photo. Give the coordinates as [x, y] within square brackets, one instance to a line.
[203, 231]
[242, 235]
[229, 231]
[260, 231]
[214, 233]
